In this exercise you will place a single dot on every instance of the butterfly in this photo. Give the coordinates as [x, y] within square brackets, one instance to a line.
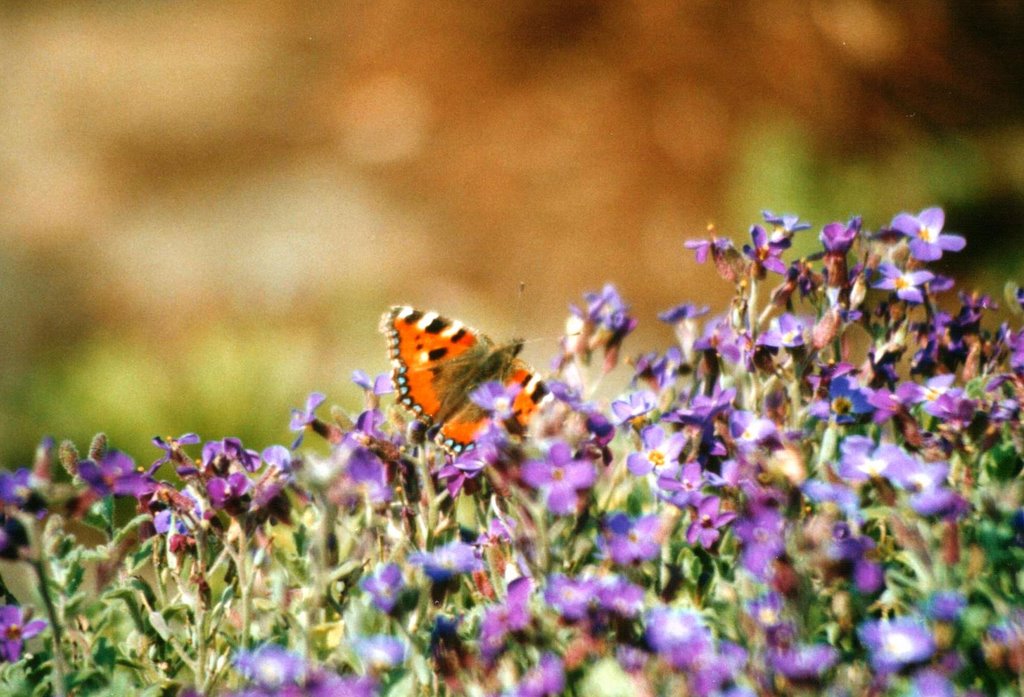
[436, 363]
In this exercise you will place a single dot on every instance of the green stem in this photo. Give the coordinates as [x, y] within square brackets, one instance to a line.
[59, 668]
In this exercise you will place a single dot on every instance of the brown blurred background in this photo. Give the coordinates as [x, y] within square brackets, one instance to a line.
[205, 207]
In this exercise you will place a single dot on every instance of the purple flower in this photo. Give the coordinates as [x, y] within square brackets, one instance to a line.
[271, 667]
[765, 252]
[630, 541]
[383, 586]
[905, 283]
[570, 597]
[547, 679]
[115, 474]
[927, 242]
[846, 401]
[677, 635]
[380, 385]
[706, 522]
[219, 456]
[380, 653]
[227, 492]
[853, 551]
[945, 606]
[750, 431]
[785, 331]
[783, 226]
[837, 238]
[804, 664]
[446, 562]
[895, 644]
[683, 491]
[14, 630]
[766, 610]
[172, 446]
[496, 398]
[761, 533]
[635, 404]
[620, 597]
[467, 466]
[844, 498]
[366, 471]
[932, 683]
[16, 487]
[660, 456]
[929, 394]
[511, 616]
[683, 312]
[303, 419]
[862, 459]
[560, 477]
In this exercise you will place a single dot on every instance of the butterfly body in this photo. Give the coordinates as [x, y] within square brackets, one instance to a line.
[436, 365]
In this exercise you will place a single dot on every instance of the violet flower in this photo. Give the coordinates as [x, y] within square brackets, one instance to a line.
[862, 459]
[683, 491]
[444, 563]
[14, 630]
[570, 597]
[630, 541]
[500, 620]
[927, 241]
[905, 283]
[706, 522]
[271, 667]
[304, 418]
[115, 474]
[384, 586]
[764, 252]
[380, 653]
[896, 644]
[560, 477]
[678, 635]
[785, 331]
[546, 679]
[804, 663]
[660, 456]
[634, 405]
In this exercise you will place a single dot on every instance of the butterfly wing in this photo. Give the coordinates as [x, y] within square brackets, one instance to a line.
[460, 431]
[421, 345]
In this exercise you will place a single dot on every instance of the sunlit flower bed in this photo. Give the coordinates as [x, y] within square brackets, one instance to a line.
[815, 490]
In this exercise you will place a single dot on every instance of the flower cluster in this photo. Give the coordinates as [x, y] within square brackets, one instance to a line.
[817, 491]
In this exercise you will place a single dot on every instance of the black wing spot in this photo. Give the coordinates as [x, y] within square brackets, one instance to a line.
[437, 354]
[458, 335]
[413, 317]
[436, 326]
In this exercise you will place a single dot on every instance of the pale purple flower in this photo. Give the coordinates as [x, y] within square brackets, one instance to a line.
[785, 331]
[116, 474]
[862, 459]
[682, 312]
[546, 679]
[764, 251]
[496, 398]
[684, 490]
[172, 445]
[271, 667]
[228, 492]
[660, 456]
[444, 563]
[927, 241]
[572, 598]
[380, 653]
[304, 418]
[561, 477]
[629, 541]
[620, 597]
[905, 283]
[804, 663]
[379, 385]
[678, 635]
[895, 644]
[635, 404]
[511, 616]
[384, 586]
[837, 238]
[749, 431]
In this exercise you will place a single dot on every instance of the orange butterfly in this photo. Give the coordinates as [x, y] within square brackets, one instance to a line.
[436, 365]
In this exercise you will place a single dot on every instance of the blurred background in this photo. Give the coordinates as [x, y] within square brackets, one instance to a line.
[205, 207]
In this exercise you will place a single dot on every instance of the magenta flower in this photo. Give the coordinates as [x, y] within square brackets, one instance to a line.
[927, 241]
[14, 630]
[706, 522]
[905, 283]
[560, 477]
